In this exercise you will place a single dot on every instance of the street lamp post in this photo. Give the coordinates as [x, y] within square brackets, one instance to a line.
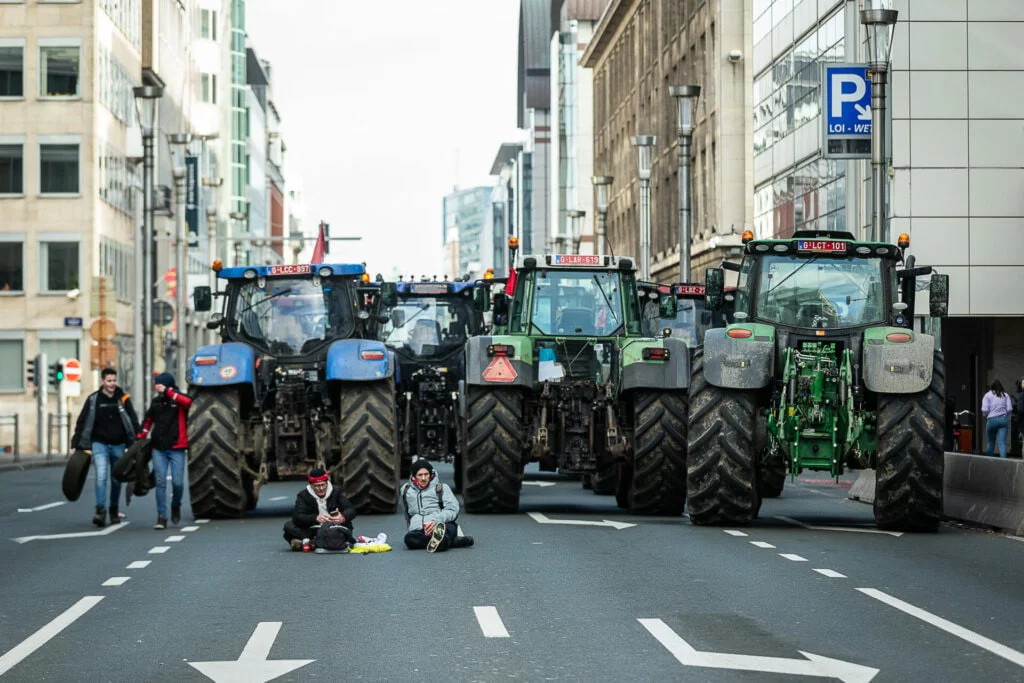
[238, 216]
[879, 23]
[601, 183]
[644, 144]
[686, 98]
[146, 97]
[576, 219]
[179, 144]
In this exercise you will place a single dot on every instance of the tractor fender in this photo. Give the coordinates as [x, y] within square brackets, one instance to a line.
[221, 365]
[673, 373]
[346, 361]
[739, 363]
[478, 360]
[897, 367]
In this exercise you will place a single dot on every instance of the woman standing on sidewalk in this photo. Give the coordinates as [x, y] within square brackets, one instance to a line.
[996, 407]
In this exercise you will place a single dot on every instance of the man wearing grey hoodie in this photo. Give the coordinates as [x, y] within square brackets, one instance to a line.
[431, 510]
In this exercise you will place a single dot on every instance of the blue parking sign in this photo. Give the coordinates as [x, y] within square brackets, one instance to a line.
[846, 111]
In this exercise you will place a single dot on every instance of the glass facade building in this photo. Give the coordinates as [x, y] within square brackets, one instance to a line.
[794, 186]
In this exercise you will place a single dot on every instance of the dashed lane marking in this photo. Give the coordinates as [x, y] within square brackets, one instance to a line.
[831, 573]
[43, 635]
[490, 622]
[159, 550]
[81, 534]
[188, 529]
[734, 532]
[761, 544]
[792, 557]
[278, 498]
[174, 539]
[43, 507]
[202, 521]
[116, 580]
[139, 564]
[947, 626]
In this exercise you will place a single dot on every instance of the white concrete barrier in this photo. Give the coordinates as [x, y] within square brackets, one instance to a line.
[864, 488]
[985, 490]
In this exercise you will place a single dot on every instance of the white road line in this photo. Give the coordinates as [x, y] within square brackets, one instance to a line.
[856, 530]
[947, 626]
[820, 493]
[43, 507]
[490, 622]
[202, 521]
[139, 564]
[174, 539]
[278, 498]
[761, 544]
[160, 549]
[81, 534]
[734, 532]
[831, 573]
[794, 558]
[116, 580]
[40, 637]
[189, 528]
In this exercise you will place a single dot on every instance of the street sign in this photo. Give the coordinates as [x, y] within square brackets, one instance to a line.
[72, 370]
[72, 322]
[103, 330]
[163, 312]
[846, 105]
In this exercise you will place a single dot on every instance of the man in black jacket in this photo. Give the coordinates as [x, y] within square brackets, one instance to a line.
[106, 426]
[319, 503]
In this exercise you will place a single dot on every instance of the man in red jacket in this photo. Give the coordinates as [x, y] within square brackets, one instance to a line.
[165, 425]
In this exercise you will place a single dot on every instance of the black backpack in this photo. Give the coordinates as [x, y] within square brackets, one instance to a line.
[334, 537]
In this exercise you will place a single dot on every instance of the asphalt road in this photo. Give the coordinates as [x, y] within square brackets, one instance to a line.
[534, 600]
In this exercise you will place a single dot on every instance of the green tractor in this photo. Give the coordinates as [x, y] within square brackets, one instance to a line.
[821, 370]
[573, 384]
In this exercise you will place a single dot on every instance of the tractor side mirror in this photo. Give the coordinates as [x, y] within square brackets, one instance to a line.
[481, 299]
[202, 299]
[500, 305]
[667, 307]
[397, 317]
[388, 294]
[714, 288]
[215, 321]
[938, 296]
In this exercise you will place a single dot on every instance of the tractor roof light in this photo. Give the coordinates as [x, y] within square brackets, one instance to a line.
[217, 265]
[488, 275]
[249, 274]
[326, 271]
[903, 241]
[513, 242]
[365, 278]
[748, 235]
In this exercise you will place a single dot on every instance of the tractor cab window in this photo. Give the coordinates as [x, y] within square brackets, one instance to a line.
[820, 292]
[291, 316]
[578, 303]
[690, 323]
[427, 326]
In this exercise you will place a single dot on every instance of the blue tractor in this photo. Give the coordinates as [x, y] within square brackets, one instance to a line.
[299, 380]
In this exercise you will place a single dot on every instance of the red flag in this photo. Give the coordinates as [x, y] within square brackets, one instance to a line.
[510, 285]
[318, 248]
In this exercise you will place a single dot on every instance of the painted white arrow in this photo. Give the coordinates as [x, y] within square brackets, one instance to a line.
[814, 665]
[539, 483]
[543, 519]
[863, 113]
[78, 534]
[253, 666]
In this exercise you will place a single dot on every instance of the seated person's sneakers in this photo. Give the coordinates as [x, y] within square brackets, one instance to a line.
[436, 538]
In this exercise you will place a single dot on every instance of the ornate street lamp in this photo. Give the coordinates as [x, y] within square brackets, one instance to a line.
[601, 183]
[686, 99]
[879, 24]
[644, 147]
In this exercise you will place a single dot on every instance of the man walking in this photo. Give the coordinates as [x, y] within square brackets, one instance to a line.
[166, 425]
[106, 426]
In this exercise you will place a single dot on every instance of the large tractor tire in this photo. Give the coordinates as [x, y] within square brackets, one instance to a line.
[772, 477]
[605, 480]
[493, 469]
[721, 472]
[658, 482]
[908, 475]
[370, 463]
[217, 485]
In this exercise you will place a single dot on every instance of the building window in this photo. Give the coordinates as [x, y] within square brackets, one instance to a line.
[57, 348]
[12, 364]
[12, 169]
[12, 70]
[58, 266]
[59, 70]
[12, 265]
[208, 24]
[58, 169]
[208, 87]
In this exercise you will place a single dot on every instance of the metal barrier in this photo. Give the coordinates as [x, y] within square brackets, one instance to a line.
[12, 421]
[58, 422]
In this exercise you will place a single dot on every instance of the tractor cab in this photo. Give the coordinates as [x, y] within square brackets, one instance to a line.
[432, 320]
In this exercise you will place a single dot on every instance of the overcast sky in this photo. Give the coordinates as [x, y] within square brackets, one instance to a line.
[385, 106]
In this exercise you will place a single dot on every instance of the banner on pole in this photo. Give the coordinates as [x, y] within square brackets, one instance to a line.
[192, 199]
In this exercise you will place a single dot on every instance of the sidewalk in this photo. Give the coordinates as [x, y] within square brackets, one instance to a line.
[28, 461]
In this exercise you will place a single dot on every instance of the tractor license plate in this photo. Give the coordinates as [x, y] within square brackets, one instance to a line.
[292, 269]
[822, 246]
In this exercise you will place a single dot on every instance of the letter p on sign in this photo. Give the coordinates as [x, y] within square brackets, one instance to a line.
[842, 93]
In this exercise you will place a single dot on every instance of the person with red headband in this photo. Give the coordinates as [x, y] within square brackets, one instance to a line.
[319, 503]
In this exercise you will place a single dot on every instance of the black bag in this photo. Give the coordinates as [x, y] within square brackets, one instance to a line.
[133, 469]
[75, 474]
[334, 537]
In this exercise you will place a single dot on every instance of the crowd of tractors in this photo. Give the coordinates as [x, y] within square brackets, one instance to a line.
[664, 395]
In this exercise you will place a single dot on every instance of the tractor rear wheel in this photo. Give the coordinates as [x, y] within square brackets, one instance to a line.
[908, 475]
[605, 479]
[217, 484]
[370, 462]
[721, 471]
[659, 453]
[493, 471]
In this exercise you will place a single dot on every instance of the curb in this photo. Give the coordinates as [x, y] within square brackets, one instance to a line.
[32, 464]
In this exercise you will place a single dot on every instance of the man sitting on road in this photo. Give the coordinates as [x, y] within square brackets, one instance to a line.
[431, 510]
[319, 503]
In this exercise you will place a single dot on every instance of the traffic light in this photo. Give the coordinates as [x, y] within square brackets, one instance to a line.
[56, 373]
[32, 373]
[327, 238]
